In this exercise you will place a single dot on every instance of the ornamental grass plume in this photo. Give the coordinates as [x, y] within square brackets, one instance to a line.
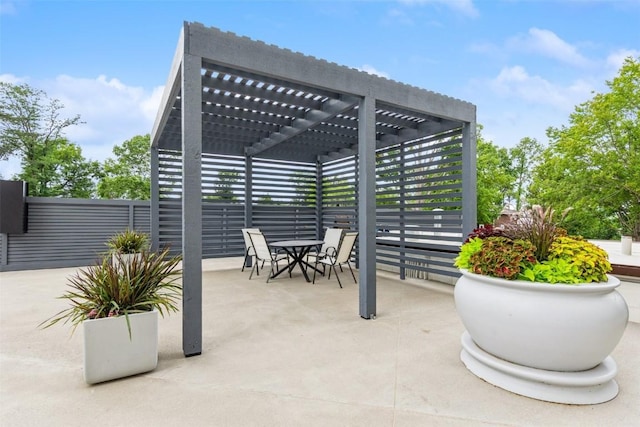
[539, 228]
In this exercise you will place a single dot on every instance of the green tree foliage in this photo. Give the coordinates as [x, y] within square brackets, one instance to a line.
[223, 186]
[304, 186]
[524, 157]
[32, 128]
[494, 178]
[388, 176]
[593, 164]
[128, 176]
[60, 170]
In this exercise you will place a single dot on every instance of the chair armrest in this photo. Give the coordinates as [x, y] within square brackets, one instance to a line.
[331, 251]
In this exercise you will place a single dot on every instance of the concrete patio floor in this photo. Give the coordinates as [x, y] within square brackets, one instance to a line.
[286, 353]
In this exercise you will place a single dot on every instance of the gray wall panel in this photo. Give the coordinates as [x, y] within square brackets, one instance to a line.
[70, 232]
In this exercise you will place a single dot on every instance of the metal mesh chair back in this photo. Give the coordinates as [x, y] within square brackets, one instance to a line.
[346, 247]
[260, 246]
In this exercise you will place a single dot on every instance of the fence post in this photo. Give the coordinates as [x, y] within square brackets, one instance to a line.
[4, 250]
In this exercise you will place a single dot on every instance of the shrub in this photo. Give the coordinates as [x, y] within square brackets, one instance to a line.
[128, 242]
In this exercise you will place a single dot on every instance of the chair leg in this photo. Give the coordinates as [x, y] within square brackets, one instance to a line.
[315, 268]
[352, 275]
[244, 263]
[270, 272]
[338, 277]
[252, 268]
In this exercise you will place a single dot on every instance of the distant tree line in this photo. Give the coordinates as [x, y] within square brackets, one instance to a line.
[592, 164]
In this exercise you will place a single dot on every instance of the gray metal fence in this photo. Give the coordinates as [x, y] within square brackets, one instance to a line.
[69, 232]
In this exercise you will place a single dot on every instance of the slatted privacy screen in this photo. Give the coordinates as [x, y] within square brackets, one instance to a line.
[283, 183]
[283, 198]
[69, 232]
[419, 204]
[340, 194]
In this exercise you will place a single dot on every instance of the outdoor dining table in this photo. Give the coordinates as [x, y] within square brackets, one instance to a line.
[297, 250]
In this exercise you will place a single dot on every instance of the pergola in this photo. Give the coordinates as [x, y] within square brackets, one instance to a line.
[232, 96]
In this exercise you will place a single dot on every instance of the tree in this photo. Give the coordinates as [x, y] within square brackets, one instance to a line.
[60, 172]
[593, 164]
[31, 127]
[524, 157]
[128, 176]
[494, 179]
[304, 185]
[224, 185]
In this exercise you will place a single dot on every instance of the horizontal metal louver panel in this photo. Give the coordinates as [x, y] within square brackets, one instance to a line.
[419, 198]
[71, 232]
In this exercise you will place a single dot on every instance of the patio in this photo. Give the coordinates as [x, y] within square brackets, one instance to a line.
[283, 353]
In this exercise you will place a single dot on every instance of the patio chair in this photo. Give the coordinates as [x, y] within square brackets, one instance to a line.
[248, 252]
[332, 237]
[263, 253]
[340, 257]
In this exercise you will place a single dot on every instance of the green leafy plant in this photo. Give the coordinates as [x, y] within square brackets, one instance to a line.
[534, 249]
[472, 246]
[502, 257]
[128, 242]
[591, 261]
[120, 287]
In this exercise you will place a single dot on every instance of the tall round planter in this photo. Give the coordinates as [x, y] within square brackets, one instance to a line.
[547, 341]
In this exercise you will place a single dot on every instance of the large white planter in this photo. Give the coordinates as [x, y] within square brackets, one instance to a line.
[545, 341]
[110, 353]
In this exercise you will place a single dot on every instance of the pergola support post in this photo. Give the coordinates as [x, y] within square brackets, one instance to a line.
[248, 198]
[319, 210]
[401, 220]
[191, 205]
[469, 177]
[367, 205]
[154, 211]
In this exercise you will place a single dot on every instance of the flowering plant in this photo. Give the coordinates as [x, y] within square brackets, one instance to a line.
[535, 248]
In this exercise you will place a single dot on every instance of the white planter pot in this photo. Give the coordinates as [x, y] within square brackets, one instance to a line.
[626, 243]
[546, 333]
[127, 259]
[110, 353]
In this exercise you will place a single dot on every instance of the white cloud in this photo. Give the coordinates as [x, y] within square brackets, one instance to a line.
[112, 112]
[547, 43]
[14, 80]
[369, 69]
[616, 59]
[516, 83]
[465, 7]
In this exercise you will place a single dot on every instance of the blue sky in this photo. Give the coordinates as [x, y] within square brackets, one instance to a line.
[524, 64]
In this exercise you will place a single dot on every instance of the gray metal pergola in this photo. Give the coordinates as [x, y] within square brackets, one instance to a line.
[231, 95]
